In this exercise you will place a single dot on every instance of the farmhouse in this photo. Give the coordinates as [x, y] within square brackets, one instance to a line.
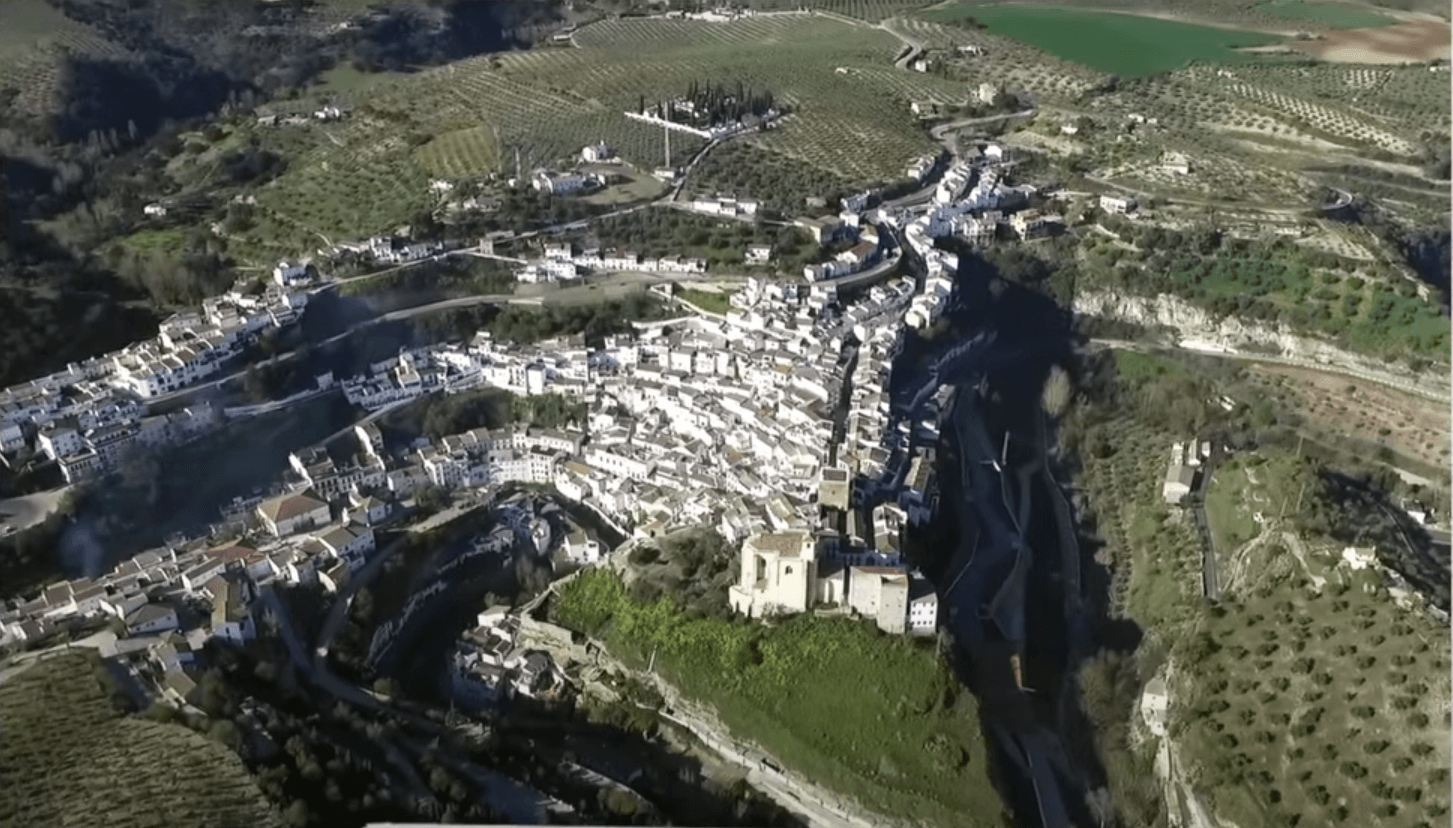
[987, 93]
[1179, 476]
[759, 254]
[1117, 204]
[597, 153]
[1174, 162]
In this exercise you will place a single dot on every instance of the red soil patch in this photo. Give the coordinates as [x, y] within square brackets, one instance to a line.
[1411, 42]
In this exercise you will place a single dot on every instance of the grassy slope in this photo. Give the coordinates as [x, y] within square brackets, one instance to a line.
[872, 716]
[69, 758]
[1116, 43]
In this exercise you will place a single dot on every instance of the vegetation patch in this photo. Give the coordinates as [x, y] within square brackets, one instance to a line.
[1249, 491]
[1343, 17]
[1317, 707]
[460, 153]
[872, 716]
[1119, 44]
[68, 748]
[709, 301]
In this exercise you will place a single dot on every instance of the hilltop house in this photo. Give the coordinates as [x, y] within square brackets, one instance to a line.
[779, 572]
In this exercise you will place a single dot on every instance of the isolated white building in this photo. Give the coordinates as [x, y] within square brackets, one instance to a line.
[779, 574]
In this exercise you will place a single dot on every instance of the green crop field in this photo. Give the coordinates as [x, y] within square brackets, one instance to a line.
[1120, 44]
[914, 747]
[461, 153]
[70, 758]
[1340, 16]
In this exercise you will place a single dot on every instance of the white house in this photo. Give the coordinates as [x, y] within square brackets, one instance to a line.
[149, 619]
[289, 273]
[231, 617]
[582, 548]
[987, 93]
[597, 153]
[1117, 204]
[293, 513]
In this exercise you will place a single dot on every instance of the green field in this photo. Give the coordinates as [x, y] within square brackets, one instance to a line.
[1340, 16]
[876, 717]
[709, 301]
[70, 758]
[460, 153]
[1244, 487]
[1119, 44]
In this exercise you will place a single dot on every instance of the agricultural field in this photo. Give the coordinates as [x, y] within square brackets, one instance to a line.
[1372, 415]
[1311, 697]
[1342, 17]
[1120, 44]
[1245, 493]
[34, 37]
[370, 172]
[1412, 41]
[915, 750]
[71, 759]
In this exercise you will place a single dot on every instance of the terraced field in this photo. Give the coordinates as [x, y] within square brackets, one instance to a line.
[34, 37]
[70, 759]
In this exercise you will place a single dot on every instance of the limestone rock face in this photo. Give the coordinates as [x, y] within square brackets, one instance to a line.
[1197, 329]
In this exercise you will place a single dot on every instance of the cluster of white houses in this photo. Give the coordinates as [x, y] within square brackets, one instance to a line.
[88, 415]
[561, 261]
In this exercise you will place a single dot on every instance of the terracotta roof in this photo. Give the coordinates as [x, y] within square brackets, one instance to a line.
[291, 506]
[230, 552]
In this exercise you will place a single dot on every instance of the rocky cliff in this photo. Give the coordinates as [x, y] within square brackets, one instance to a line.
[1197, 329]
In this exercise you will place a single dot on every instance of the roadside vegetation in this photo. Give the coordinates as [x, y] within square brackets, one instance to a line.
[74, 755]
[876, 717]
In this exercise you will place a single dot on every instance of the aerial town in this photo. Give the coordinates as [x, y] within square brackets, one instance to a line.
[723, 421]
[820, 415]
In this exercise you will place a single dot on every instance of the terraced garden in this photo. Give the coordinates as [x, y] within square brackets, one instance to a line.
[70, 758]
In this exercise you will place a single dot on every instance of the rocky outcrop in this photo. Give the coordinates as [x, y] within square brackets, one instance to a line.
[1197, 329]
